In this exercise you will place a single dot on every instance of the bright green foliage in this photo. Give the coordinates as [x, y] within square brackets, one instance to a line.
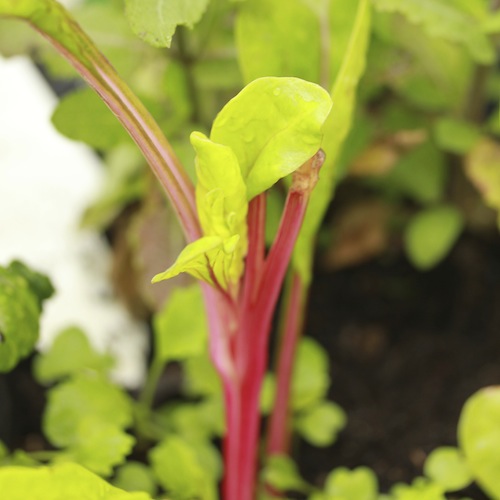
[310, 378]
[479, 438]
[356, 484]
[179, 470]
[447, 467]
[321, 423]
[83, 116]
[39, 284]
[420, 489]
[87, 415]
[19, 313]
[155, 21]
[70, 354]
[201, 377]
[441, 19]
[59, 482]
[272, 41]
[267, 131]
[135, 476]
[455, 136]
[336, 128]
[180, 328]
[431, 234]
[282, 473]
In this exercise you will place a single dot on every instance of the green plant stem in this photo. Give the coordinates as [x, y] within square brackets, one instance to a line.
[57, 26]
[147, 395]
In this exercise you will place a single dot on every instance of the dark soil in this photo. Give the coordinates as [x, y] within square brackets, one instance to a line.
[406, 349]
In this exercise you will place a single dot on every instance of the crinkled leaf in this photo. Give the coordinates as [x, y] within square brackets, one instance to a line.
[19, 313]
[431, 234]
[336, 129]
[39, 284]
[204, 259]
[99, 446]
[84, 396]
[69, 354]
[320, 424]
[282, 473]
[155, 21]
[180, 328]
[447, 466]
[83, 116]
[356, 484]
[273, 126]
[310, 379]
[482, 168]
[479, 438]
[179, 471]
[272, 43]
[135, 476]
[456, 136]
[59, 482]
[441, 19]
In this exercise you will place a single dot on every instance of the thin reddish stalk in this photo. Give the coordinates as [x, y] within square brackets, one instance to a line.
[279, 429]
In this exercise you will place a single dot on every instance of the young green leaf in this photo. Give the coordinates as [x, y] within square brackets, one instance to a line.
[180, 328]
[273, 126]
[456, 136]
[63, 481]
[420, 489]
[282, 473]
[155, 21]
[479, 438]
[70, 353]
[356, 484]
[431, 234]
[441, 19]
[447, 467]
[135, 476]
[39, 284]
[19, 313]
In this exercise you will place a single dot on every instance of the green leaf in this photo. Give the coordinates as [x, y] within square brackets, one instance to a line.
[440, 19]
[282, 473]
[456, 136]
[356, 484]
[320, 424]
[180, 328]
[420, 489]
[19, 313]
[155, 21]
[179, 471]
[83, 116]
[59, 482]
[39, 284]
[273, 126]
[271, 42]
[447, 467]
[479, 438]
[84, 396]
[69, 354]
[431, 234]
[201, 377]
[310, 379]
[336, 129]
[135, 476]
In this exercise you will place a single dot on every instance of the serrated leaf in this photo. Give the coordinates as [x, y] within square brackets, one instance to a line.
[310, 379]
[59, 482]
[282, 473]
[479, 438]
[82, 116]
[155, 21]
[69, 354]
[431, 234]
[19, 313]
[482, 168]
[456, 136]
[135, 476]
[271, 42]
[320, 424]
[84, 396]
[336, 128]
[356, 484]
[273, 126]
[441, 19]
[179, 471]
[447, 467]
[180, 328]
